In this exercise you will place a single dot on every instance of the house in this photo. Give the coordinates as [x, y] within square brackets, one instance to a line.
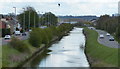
[6, 23]
[2, 25]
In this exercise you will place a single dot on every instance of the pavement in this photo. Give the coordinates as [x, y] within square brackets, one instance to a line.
[105, 41]
[4, 42]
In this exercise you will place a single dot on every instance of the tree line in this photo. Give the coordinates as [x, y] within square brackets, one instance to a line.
[109, 24]
[30, 18]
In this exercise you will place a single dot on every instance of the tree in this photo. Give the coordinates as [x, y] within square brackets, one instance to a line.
[107, 23]
[48, 19]
[118, 29]
[33, 18]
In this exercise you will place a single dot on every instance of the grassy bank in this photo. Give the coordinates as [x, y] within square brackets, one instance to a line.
[12, 57]
[18, 51]
[98, 54]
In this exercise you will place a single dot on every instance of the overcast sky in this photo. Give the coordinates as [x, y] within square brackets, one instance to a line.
[68, 7]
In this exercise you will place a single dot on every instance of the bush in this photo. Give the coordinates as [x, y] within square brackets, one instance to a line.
[35, 38]
[54, 30]
[49, 33]
[63, 28]
[18, 45]
[44, 37]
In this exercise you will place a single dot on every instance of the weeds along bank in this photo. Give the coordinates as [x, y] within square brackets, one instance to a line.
[18, 51]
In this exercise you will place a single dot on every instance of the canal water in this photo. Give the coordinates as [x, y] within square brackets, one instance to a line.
[68, 52]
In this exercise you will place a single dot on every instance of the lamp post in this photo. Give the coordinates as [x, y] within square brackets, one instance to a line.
[15, 11]
[39, 19]
[59, 8]
[34, 19]
[42, 19]
[15, 18]
[48, 19]
[24, 19]
[29, 20]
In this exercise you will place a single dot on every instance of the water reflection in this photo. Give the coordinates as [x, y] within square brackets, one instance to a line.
[67, 52]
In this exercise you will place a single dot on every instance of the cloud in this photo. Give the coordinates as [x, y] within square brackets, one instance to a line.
[76, 7]
[67, 1]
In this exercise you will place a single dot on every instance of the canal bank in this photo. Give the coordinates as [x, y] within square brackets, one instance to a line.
[19, 58]
[23, 51]
[42, 49]
[68, 52]
[99, 55]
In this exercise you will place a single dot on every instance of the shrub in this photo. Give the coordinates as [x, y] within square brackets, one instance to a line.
[49, 33]
[18, 45]
[39, 36]
[44, 37]
[35, 38]
[54, 30]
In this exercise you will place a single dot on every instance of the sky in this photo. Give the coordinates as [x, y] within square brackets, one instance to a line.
[68, 7]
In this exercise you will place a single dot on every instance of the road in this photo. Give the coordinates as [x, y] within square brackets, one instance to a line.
[105, 41]
[4, 42]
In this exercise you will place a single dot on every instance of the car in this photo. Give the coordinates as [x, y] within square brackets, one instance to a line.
[101, 36]
[24, 34]
[30, 30]
[111, 39]
[7, 37]
[108, 34]
[17, 33]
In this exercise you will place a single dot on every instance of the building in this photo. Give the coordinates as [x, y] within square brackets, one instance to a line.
[2, 25]
[9, 22]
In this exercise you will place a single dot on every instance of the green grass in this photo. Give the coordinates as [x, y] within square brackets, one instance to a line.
[105, 55]
[6, 52]
[0, 57]
[12, 57]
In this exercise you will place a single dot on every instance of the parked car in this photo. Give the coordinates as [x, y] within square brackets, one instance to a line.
[101, 36]
[108, 34]
[30, 30]
[24, 34]
[17, 33]
[7, 37]
[111, 39]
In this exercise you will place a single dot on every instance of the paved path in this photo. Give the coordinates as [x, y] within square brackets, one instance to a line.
[105, 41]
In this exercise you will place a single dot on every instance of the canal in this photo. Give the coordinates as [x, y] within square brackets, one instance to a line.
[68, 52]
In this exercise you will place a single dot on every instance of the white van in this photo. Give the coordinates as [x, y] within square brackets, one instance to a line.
[17, 33]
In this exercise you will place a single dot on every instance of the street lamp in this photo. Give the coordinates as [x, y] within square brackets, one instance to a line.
[15, 11]
[48, 18]
[34, 19]
[39, 18]
[59, 8]
[24, 19]
[15, 18]
[42, 19]
[29, 20]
